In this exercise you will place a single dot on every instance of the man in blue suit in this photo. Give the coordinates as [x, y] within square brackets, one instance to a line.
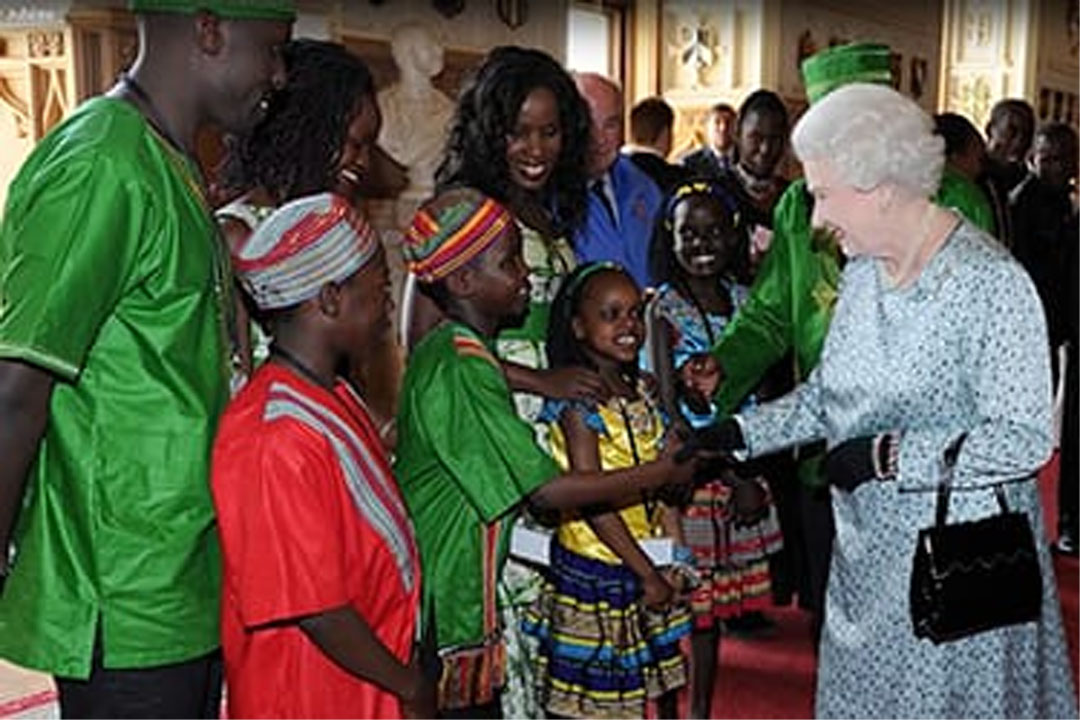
[623, 200]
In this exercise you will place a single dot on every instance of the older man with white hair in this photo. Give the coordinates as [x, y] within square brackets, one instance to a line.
[623, 199]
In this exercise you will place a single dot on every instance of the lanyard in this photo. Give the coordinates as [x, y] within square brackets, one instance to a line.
[649, 502]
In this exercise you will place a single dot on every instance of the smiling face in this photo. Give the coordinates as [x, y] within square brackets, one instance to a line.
[853, 214]
[502, 279]
[535, 142]
[356, 149]
[249, 68]
[609, 323]
[704, 241]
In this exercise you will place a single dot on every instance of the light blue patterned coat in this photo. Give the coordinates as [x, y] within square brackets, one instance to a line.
[963, 349]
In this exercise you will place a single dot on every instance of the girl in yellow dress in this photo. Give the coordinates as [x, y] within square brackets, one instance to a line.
[606, 620]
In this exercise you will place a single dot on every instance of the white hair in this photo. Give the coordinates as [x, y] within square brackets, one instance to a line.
[871, 134]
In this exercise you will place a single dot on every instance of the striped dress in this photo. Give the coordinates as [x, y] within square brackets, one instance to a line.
[731, 559]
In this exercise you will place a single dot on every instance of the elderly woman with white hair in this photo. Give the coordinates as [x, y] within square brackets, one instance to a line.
[938, 334]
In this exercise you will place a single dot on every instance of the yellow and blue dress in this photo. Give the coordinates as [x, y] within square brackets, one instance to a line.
[602, 652]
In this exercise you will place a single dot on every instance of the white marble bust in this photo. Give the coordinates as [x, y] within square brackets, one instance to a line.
[416, 114]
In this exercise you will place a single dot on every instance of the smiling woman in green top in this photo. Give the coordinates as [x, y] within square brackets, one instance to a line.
[113, 371]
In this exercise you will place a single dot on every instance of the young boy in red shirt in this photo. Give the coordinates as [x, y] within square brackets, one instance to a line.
[321, 572]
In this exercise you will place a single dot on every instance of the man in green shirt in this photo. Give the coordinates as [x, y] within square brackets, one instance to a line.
[114, 292]
[792, 299]
[465, 461]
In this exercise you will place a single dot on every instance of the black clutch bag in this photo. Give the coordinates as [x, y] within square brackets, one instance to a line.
[974, 576]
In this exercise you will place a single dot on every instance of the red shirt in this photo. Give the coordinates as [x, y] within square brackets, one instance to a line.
[310, 519]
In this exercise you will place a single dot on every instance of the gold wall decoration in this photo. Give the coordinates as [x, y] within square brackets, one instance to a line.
[42, 44]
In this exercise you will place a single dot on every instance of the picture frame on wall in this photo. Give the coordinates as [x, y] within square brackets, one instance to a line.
[917, 77]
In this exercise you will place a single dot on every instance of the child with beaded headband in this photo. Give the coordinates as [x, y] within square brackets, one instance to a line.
[729, 523]
[466, 461]
[606, 618]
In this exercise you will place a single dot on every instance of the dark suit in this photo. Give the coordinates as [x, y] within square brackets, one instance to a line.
[666, 175]
[705, 163]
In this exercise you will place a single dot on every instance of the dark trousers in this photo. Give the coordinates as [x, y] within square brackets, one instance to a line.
[815, 505]
[1069, 479]
[787, 568]
[189, 689]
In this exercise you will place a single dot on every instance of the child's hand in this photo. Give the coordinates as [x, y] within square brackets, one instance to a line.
[700, 376]
[749, 501]
[572, 383]
[760, 240]
[657, 592]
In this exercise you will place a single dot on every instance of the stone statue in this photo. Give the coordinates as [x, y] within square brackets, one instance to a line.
[416, 114]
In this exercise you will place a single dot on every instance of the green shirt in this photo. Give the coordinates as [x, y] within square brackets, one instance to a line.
[465, 461]
[791, 302]
[108, 279]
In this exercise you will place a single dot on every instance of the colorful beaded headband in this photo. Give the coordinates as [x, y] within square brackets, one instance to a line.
[439, 243]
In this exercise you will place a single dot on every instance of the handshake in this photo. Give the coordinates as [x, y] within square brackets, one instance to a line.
[718, 439]
[847, 465]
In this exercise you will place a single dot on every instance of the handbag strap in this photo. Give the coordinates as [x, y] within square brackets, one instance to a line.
[944, 489]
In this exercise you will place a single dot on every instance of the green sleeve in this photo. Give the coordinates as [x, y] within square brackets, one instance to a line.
[760, 333]
[490, 452]
[68, 247]
[959, 193]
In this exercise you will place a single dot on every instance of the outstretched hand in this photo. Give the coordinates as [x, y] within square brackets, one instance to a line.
[714, 441]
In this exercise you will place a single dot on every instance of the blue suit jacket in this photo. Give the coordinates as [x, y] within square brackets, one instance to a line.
[638, 200]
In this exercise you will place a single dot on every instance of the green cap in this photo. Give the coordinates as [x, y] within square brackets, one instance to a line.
[827, 70]
[232, 9]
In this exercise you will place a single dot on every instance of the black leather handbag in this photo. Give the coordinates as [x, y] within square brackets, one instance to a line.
[974, 576]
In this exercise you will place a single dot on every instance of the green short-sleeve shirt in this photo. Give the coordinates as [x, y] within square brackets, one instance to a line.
[110, 270]
[465, 461]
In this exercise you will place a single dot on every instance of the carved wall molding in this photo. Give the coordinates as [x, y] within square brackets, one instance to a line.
[1006, 48]
[971, 95]
[45, 43]
[18, 107]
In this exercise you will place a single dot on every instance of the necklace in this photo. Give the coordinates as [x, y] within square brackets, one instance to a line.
[299, 365]
[929, 237]
[153, 116]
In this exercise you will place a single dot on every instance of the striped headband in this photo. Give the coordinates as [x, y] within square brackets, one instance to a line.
[440, 240]
[302, 246]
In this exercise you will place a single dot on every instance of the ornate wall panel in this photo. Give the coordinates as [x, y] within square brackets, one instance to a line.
[989, 53]
[1057, 78]
[911, 29]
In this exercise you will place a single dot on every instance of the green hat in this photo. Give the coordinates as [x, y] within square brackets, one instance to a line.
[827, 70]
[232, 9]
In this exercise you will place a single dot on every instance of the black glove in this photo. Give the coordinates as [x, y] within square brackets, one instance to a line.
[854, 461]
[723, 436]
